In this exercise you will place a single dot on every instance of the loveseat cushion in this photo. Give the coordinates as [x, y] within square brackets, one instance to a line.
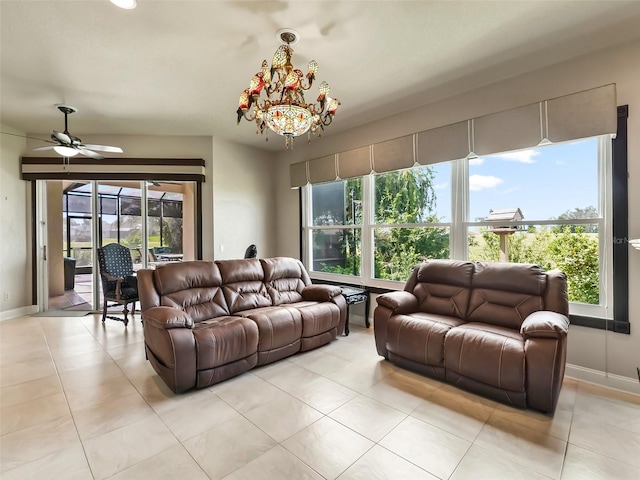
[505, 294]
[420, 336]
[489, 354]
[442, 286]
[224, 340]
[195, 287]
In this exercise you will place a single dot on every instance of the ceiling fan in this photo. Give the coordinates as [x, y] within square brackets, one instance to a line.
[68, 146]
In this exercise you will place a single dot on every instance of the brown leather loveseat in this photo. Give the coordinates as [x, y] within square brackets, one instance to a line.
[205, 322]
[498, 329]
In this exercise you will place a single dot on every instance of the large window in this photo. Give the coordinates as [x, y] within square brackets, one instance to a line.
[412, 218]
[550, 205]
[335, 227]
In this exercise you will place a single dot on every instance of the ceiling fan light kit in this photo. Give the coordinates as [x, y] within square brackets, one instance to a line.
[275, 97]
[126, 4]
[65, 151]
[69, 146]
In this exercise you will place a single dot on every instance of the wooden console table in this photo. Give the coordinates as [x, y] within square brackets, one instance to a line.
[354, 295]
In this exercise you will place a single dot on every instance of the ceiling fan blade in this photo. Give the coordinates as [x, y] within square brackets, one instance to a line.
[47, 147]
[89, 153]
[61, 137]
[102, 148]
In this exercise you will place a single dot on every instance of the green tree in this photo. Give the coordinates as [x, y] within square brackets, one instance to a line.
[576, 254]
[567, 248]
[580, 213]
[406, 196]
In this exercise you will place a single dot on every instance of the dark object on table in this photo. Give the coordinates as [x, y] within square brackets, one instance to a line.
[119, 282]
[251, 251]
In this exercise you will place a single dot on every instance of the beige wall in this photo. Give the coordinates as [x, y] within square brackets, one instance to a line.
[15, 204]
[244, 200]
[613, 353]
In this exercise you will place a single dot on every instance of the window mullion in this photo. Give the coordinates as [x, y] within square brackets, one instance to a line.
[366, 237]
[459, 209]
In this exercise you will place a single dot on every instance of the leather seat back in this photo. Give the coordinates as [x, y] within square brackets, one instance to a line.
[442, 287]
[243, 284]
[285, 279]
[195, 287]
[504, 294]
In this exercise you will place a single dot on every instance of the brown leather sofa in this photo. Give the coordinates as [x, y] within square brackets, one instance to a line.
[499, 329]
[205, 322]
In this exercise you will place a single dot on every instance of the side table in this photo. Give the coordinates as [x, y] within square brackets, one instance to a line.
[354, 295]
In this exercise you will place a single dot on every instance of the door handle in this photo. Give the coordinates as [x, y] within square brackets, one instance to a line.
[44, 253]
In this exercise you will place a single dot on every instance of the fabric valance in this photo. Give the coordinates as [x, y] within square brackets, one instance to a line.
[579, 115]
[82, 168]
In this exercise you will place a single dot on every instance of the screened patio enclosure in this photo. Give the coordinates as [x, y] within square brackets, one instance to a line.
[154, 219]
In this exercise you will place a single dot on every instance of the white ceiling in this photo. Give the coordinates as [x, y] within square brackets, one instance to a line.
[177, 67]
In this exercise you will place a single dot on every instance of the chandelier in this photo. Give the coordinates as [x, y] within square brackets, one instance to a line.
[275, 97]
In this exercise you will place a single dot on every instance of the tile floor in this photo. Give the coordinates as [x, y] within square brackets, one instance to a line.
[79, 401]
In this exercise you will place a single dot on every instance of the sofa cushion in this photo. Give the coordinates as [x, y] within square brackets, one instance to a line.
[195, 287]
[442, 287]
[224, 340]
[487, 353]
[317, 318]
[277, 326]
[420, 336]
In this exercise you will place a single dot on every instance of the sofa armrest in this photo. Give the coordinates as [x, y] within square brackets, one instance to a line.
[166, 318]
[545, 324]
[320, 293]
[400, 302]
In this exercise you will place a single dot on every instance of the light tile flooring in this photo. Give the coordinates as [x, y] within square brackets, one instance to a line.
[79, 401]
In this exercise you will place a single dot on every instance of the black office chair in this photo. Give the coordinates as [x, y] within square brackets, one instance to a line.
[251, 251]
[119, 282]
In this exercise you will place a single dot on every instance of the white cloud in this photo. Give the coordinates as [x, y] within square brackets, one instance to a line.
[522, 156]
[476, 161]
[440, 186]
[481, 182]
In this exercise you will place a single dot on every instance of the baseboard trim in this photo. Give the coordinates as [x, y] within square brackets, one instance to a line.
[597, 377]
[18, 312]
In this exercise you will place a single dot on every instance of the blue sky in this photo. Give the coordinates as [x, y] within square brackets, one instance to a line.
[544, 182]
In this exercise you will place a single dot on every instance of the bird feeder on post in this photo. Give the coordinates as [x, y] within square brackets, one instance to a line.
[502, 217]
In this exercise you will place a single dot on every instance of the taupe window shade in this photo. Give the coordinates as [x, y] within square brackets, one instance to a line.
[323, 169]
[510, 130]
[355, 163]
[583, 114]
[579, 115]
[393, 154]
[299, 174]
[444, 144]
[82, 168]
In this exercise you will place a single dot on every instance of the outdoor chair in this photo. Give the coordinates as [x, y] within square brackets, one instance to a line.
[119, 282]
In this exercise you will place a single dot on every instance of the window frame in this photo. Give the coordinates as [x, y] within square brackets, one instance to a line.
[613, 241]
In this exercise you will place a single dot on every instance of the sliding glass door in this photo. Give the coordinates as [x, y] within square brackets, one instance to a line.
[154, 219]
